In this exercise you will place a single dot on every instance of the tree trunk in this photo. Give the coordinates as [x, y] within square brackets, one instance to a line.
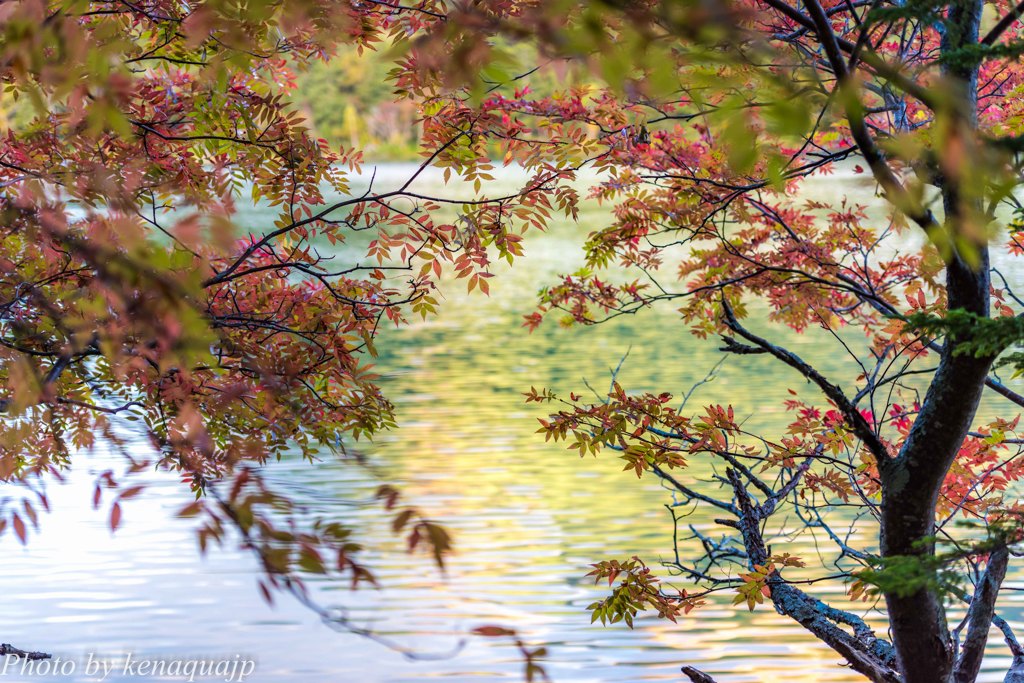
[911, 482]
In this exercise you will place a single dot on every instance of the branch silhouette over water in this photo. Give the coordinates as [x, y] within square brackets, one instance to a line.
[6, 649]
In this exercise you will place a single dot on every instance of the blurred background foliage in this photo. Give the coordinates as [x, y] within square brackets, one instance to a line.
[350, 100]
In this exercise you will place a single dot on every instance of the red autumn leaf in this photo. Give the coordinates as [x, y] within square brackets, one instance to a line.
[19, 527]
[115, 516]
[492, 631]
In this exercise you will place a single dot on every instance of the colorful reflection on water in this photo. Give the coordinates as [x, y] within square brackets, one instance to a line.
[528, 517]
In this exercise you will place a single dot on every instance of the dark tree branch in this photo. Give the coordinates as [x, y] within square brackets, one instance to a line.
[1015, 674]
[979, 616]
[880, 168]
[696, 675]
[1003, 24]
[1008, 635]
[850, 413]
[865, 652]
[7, 649]
[889, 72]
[911, 482]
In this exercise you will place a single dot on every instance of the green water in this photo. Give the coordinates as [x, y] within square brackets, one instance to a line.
[527, 516]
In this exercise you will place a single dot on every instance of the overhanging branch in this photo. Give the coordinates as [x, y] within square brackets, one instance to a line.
[8, 650]
[865, 652]
[850, 413]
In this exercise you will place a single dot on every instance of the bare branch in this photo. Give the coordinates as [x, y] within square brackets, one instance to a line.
[979, 616]
[696, 675]
[865, 652]
[1003, 24]
[7, 649]
[833, 392]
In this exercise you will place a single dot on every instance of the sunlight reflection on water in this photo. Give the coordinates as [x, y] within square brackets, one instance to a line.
[527, 517]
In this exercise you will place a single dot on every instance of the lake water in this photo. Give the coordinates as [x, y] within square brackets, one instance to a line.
[527, 517]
